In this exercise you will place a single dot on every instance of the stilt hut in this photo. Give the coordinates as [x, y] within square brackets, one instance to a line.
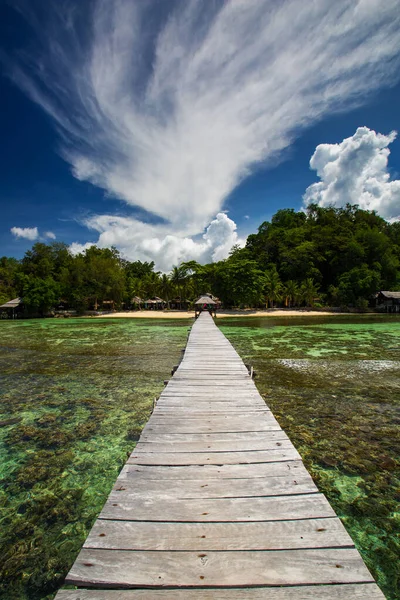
[388, 301]
[205, 302]
[155, 303]
[12, 307]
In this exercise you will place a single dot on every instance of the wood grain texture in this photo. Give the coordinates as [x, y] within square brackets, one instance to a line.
[218, 488]
[280, 508]
[328, 592]
[236, 568]
[213, 471]
[277, 440]
[274, 535]
[213, 458]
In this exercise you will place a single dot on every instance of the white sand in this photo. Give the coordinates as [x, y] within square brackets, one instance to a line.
[181, 314]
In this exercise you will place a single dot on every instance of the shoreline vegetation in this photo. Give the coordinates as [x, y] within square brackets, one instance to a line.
[316, 259]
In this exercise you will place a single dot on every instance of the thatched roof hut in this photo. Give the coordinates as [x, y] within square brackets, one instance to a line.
[389, 301]
[205, 300]
[390, 295]
[12, 303]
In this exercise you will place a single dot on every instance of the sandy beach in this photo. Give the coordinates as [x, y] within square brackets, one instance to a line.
[224, 314]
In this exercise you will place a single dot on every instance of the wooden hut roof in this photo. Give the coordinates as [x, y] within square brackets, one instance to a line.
[137, 299]
[205, 300]
[391, 294]
[12, 303]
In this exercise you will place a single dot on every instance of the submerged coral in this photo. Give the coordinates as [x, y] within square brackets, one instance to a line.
[76, 395]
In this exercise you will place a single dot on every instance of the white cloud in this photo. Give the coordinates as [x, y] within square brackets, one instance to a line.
[169, 110]
[356, 171]
[50, 235]
[141, 241]
[28, 233]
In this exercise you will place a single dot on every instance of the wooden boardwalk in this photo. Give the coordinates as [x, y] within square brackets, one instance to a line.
[216, 500]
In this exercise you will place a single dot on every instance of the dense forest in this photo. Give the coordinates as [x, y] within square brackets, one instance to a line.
[324, 256]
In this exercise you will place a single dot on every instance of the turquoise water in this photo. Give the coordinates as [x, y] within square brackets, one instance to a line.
[76, 393]
[334, 386]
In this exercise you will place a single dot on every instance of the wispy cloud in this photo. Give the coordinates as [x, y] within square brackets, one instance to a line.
[356, 171]
[170, 109]
[49, 235]
[28, 233]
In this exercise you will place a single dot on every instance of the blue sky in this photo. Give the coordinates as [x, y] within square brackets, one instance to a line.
[172, 129]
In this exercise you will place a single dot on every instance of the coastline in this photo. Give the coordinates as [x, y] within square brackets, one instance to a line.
[225, 314]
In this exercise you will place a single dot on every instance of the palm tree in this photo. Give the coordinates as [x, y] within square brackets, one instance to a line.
[152, 283]
[309, 290]
[291, 291]
[165, 287]
[273, 287]
[178, 278]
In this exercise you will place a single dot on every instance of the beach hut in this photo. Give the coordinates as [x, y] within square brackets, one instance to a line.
[205, 302]
[137, 302]
[155, 303]
[12, 305]
[388, 301]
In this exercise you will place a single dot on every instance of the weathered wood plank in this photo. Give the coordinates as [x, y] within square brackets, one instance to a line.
[275, 535]
[235, 438]
[236, 568]
[368, 591]
[213, 471]
[154, 445]
[218, 488]
[213, 458]
[271, 508]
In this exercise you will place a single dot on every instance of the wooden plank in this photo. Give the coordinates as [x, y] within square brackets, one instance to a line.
[153, 445]
[214, 436]
[227, 403]
[215, 441]
[201, 427]
[123, 568]
[276, 469]
[271, 508]
[213, 458]
[205, 410]
[218, 488]
[275, 535]
[368, 591]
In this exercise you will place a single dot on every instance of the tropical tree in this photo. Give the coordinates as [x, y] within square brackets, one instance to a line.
[291, 292]
[165, 287]
[178, 277]
[309, 291]
[273, 287]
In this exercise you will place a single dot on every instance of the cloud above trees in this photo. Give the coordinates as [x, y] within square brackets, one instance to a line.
[167, 107]
[31, 233]
[27, 233]
[355, 171]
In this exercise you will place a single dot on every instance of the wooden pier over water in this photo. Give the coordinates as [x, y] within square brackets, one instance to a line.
[215, 502]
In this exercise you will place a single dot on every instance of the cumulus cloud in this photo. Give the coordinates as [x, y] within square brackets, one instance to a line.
[355, 171]
[143, 241]
[49, 235]
[169, 109]
[28, 233]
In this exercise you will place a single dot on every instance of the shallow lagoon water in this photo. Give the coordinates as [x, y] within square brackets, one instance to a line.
[76, 392]
[334, 386]
[74, 396]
